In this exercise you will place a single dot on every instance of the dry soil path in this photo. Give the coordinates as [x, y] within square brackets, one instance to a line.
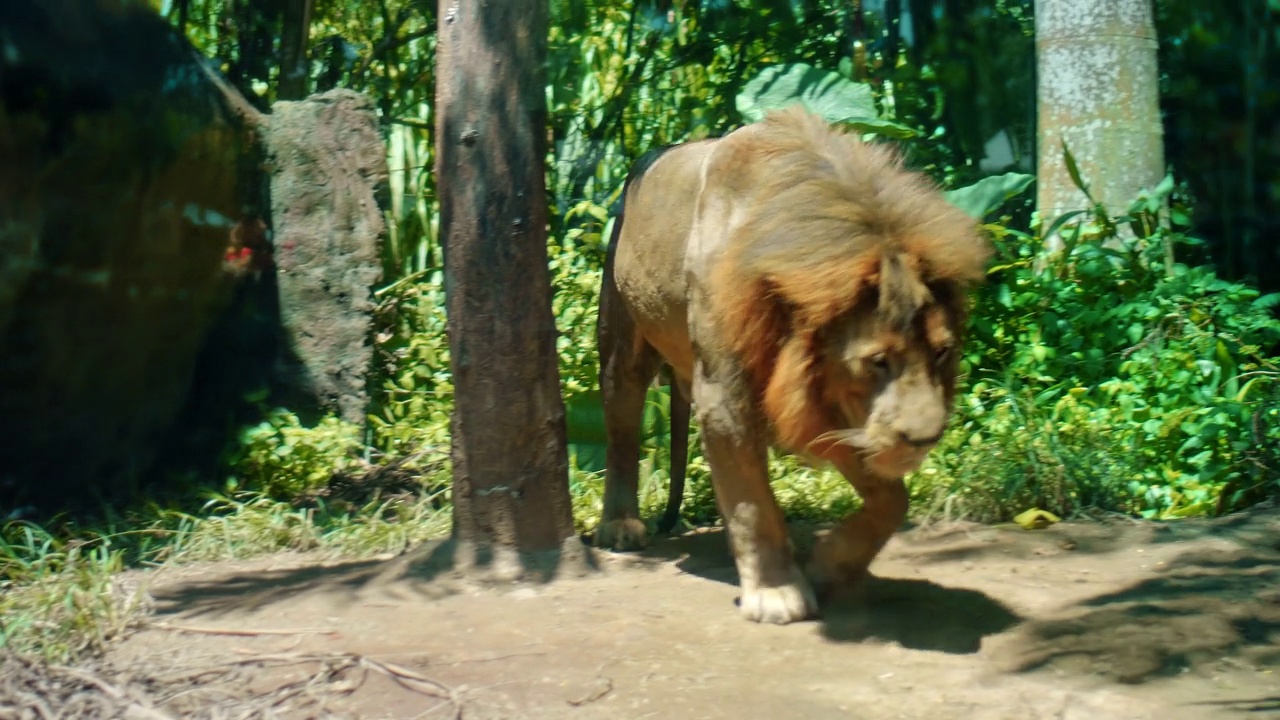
[1081, 621]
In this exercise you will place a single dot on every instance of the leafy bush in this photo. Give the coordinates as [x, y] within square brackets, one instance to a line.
[415, 397]
[285, 460]
[1104, 375]
[1107, 375]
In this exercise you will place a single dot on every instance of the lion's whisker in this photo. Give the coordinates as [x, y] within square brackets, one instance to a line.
[851, 437]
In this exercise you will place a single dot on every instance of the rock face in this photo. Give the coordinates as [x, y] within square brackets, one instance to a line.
[327, 165]
[121, 188]
[140, 293]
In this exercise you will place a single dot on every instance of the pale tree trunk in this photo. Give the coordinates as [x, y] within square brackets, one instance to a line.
[1097, 91]
[510, 461]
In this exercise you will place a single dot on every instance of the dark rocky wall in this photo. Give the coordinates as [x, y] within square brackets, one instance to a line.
[140, 297]
[120, 188]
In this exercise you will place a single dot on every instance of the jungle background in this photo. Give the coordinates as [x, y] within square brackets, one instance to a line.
[1105, 380]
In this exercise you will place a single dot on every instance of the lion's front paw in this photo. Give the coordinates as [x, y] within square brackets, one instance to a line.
[835, 567]
[624, 534]
[779, 605]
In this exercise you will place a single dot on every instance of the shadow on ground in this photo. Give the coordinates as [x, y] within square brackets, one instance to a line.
[917, 614]
[1215, 601]
[1215, 605]
[433, 570]
[254, 589]
[1268, 706]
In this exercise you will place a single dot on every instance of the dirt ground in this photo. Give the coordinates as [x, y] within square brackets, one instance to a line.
[1080, 621]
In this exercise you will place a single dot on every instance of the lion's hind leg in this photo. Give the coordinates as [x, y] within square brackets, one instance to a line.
[679, 456]
[627, 366]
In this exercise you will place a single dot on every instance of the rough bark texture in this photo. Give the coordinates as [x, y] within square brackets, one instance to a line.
[124, 175]
[328, 167]
[510, 461]
[1098, 92]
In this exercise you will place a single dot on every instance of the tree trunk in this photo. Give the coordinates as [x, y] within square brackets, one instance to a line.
[510, 463]
[295, 69]
[1097, 91]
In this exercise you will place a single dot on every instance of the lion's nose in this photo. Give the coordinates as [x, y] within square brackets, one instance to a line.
[915, 441]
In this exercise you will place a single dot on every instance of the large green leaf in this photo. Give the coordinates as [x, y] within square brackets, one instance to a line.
[885, 128]
[828, 94]
[989, 193]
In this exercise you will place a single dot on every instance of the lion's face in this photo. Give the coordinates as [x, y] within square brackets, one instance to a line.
[891, 385]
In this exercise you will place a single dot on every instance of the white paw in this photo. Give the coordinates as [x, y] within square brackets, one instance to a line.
[622, 535]
[779, 605]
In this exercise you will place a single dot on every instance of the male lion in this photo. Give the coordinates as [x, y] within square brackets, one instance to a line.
[807, 292]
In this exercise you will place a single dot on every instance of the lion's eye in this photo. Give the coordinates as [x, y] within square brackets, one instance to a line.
[942, 353]
[880, 362]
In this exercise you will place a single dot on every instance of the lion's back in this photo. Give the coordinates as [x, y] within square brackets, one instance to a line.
[649, 264]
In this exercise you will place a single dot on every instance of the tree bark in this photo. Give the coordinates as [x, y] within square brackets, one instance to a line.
[510, 462]
[1097, 92]
[295, 35]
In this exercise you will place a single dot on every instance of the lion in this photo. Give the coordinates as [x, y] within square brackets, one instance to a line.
[807, 293]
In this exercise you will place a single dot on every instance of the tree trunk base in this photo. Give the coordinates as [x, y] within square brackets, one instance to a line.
[490, 563]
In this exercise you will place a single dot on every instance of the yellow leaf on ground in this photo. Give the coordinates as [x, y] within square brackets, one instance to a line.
[1036, 519]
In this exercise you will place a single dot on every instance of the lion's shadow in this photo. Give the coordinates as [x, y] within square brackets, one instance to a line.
[917, 614]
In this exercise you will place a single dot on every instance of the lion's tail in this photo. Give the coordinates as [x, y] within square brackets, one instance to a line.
[679, 457]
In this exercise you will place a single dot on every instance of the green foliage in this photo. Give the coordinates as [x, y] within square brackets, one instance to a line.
[577, 266]
[1105, 375]
[1220, 97]
[284, 459]
[413, 403]
[1109, 376]
[989, 194]
[829, 94]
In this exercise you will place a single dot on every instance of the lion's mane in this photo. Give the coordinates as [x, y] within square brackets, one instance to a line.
[839, 227]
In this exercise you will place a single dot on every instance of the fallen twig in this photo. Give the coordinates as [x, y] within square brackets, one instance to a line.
[139, 708]
[335, 664]
[493, 658]
[599, 692]
[243, 633]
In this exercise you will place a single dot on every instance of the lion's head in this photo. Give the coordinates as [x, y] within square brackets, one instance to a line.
[844, 293]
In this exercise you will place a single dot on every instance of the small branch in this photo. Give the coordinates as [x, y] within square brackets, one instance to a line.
[600, 691]
[413, 277]
[1258, 373]
[136, 708]
[495, 658]
[409, 122]
[243, 633]
[337, 663]
[389, 42]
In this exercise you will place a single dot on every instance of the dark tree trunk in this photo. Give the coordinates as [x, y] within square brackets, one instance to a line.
[294, 37]
[510, 464]
[254, 24]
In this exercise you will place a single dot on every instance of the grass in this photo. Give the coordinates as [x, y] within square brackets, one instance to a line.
[63, 596]
[64, 593]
